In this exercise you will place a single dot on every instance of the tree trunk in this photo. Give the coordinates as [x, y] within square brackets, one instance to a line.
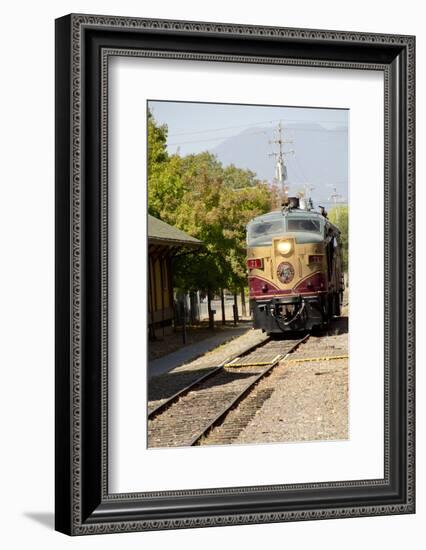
[193, 307]
[184, 339]
[243, 302]
[235, 309]
[209, 309]
[222, 303]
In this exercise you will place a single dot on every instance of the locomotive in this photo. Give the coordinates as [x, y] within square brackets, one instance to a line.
[295, 268]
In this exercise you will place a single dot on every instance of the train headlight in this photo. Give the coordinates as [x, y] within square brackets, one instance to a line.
[284, 247]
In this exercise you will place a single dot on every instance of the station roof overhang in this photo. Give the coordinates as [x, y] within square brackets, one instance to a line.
[164, 239]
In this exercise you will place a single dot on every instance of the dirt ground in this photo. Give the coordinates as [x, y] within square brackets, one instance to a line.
[310, 397]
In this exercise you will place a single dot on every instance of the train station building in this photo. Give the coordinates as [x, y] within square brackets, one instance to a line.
[164, 242]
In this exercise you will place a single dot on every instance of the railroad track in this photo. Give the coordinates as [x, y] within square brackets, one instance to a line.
[187, 417]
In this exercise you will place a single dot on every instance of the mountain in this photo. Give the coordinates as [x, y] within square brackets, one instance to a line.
[320, 156]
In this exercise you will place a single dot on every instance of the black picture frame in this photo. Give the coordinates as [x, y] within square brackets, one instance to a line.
[83, 45]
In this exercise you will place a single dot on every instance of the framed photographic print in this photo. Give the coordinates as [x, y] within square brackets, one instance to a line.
[234, 274]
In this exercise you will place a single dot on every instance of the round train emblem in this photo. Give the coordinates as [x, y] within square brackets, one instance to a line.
[285, 272]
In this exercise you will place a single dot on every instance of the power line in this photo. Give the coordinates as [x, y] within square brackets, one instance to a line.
[220, 129]
[300, 168]
[219, 138]
[289, 131]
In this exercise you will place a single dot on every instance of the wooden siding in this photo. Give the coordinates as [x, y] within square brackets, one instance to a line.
[160, 293]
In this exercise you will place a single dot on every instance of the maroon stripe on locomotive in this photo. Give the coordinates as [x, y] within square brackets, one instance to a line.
[312, 284]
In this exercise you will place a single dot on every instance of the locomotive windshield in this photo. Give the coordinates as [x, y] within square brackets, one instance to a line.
[303, 224]
[261, 233]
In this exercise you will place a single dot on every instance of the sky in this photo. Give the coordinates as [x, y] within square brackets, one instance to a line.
[195, 127]
[241, 134]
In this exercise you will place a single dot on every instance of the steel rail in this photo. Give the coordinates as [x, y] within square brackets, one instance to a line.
[186, 389]
[221, 416]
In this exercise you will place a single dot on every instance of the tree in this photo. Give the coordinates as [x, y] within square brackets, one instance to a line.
[208, 201]
[237, 178]
[164, 183]
[339, 216]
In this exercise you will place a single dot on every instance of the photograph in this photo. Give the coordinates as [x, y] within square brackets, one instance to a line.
[248, 274]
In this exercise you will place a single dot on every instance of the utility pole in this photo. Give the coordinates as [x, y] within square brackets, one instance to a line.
[336, 198]
[280, 167]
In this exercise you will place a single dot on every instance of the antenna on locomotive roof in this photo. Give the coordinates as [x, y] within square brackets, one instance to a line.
[305, 197]
[280, 167]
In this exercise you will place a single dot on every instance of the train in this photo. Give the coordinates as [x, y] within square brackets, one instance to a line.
[294, 261]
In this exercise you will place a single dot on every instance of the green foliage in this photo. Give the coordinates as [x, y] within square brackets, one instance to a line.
[339, 216]
[164, 184]
[236, 178]
[208, 201]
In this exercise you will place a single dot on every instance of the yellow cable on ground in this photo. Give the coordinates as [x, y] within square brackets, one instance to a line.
[314, 359]
[254, 364]
[248, 364]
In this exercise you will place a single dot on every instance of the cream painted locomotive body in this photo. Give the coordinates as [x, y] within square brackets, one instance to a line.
[294, 270]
